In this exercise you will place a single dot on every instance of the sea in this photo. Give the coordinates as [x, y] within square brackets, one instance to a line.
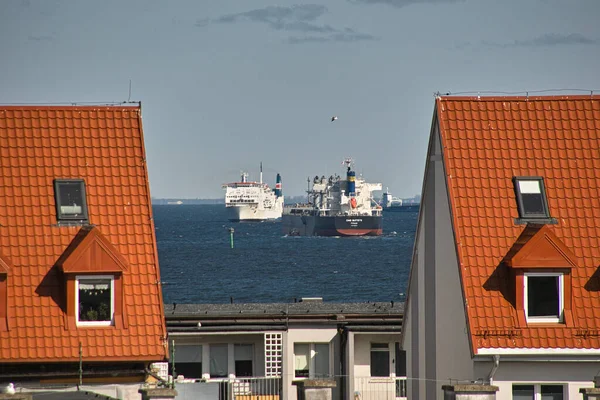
[198, 264]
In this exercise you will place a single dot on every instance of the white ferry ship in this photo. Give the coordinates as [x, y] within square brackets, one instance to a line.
[253, 201]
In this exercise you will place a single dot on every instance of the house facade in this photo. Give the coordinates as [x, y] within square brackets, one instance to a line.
[263, 350]
[504, 285]
[80, 296]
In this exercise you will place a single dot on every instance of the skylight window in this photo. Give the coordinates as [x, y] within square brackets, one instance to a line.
[70, 200]
[531, 197]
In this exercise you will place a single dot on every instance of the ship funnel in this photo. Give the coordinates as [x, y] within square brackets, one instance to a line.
[351, 178]
[278, 191]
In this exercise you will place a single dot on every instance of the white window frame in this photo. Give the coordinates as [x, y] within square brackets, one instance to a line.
[391, 358]
[112, 300]
[252, 360]
[537, 388]
[561, 296]
[311, 360]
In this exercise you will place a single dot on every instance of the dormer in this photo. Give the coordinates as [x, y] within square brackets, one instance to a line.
[542, 266]
[93, 270]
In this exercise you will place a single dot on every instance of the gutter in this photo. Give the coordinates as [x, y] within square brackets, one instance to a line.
[496, 359]
[374, 328]
[227, 328]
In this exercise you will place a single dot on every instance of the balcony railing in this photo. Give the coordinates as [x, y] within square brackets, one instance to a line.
[379, 388]
[253, 389]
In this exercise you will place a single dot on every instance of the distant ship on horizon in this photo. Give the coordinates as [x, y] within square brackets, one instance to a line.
[390, 203]
[253, 201]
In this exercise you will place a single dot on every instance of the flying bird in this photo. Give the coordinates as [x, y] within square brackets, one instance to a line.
[333, 118]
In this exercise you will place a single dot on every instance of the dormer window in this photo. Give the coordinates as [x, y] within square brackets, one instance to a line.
[94, 300]
[544, 296]
[531, 197]
[70, 199]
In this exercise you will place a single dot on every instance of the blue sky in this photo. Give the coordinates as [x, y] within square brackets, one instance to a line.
[225, 84]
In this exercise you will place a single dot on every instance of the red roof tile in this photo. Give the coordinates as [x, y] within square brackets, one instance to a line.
[486, 142]
[104, 146]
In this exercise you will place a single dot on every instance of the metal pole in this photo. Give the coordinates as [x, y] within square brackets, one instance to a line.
[80, 366]
[173, 363]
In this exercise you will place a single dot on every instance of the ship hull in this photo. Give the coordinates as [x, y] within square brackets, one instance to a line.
[310, 225]
[249, 213]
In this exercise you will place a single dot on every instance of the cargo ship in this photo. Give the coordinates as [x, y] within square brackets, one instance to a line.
[392, 204]
[253, 201]
[336, 207]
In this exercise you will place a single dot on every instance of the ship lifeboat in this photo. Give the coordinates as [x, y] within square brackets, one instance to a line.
[353, 202]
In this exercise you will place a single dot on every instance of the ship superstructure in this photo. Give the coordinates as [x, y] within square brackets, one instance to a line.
[336, 207]
[253, 201]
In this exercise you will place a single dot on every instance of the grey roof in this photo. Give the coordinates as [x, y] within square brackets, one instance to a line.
[303, 308]
[64, 395]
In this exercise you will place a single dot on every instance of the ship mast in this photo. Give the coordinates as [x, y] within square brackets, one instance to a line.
[261, 172]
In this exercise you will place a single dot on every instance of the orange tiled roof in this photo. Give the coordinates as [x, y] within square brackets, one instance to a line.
[488, 140]
[104, 146]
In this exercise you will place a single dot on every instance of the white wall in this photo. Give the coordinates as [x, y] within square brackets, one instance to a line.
[306, 334]
[575, 375]
[362, 351]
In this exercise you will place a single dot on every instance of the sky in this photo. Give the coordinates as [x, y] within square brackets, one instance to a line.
[227, 84]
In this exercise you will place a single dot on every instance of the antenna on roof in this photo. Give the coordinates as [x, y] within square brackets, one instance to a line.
[129, 98]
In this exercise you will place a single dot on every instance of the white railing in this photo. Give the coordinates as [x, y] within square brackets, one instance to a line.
[379, 388]
[254, 388]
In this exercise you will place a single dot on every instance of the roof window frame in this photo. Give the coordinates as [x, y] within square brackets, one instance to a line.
[67, 219]
[529, 217]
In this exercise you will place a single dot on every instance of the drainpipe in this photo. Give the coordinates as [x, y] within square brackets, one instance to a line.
[494, 368]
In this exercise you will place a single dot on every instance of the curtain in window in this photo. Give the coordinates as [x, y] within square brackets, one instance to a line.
[321, 360]
[188, 361]
[301, 359]
[242, 354]
[218, 360]
[94, 300]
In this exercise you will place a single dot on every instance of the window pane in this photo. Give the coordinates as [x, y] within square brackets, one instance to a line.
[529, 187]
[552, 392]
[532, 198]
[321, 360]
[187, 353]
[533, 204]
[187, 369]
[70, 198]
[301, 357]
[218, 360]
[380, 359]
[95, 300]
[522, 392]
[242, 353]
[243, 368]
[543, 296]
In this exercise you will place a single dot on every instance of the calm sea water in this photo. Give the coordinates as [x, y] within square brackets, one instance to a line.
[198, 265]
